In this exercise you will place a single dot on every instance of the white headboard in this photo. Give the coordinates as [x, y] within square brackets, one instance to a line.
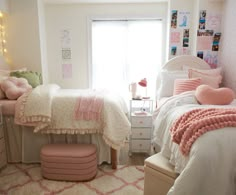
[177, 62]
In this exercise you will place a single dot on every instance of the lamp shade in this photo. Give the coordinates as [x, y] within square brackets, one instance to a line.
[143, 82]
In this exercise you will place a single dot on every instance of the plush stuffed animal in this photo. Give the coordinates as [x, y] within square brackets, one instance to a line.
[14, 87]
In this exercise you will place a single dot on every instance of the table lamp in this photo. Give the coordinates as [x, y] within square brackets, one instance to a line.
[143, 83]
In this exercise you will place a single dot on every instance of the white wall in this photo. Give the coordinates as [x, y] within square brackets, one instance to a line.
[4, 7]
[228, 44]
[23, 35]
[75, 18]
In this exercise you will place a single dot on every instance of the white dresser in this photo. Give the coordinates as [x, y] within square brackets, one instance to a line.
[141, 125]
[3, 160]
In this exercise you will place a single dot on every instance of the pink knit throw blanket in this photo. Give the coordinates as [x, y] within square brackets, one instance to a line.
[89, 107]
[191, 125]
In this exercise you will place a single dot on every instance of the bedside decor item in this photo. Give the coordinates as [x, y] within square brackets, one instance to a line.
[133, 89]
[143, 83]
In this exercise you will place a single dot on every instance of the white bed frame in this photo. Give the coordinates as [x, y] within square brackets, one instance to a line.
[177, 62]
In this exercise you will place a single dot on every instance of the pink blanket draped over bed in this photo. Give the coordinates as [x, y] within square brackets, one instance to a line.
[89, 107]
[191, 125]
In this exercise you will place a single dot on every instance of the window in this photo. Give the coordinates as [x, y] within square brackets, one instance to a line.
[125, 51]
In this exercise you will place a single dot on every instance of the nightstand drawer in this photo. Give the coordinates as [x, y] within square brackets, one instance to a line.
[141, 121]
[141, 133]
[1, 132]
[140, 145]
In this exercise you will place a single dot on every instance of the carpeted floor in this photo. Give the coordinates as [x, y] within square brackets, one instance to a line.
[26, 179]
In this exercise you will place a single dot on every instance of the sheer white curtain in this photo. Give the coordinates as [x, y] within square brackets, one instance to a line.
[124, 52]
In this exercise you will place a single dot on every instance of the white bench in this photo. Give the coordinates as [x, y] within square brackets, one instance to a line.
[159, 175]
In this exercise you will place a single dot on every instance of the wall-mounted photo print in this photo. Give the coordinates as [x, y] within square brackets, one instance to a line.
[202, 19]
[174, 14]
[186, 38]
[173, 50]
[216, 41]
[200, 54]
[183, 19]
[66, 54]
[211, 58]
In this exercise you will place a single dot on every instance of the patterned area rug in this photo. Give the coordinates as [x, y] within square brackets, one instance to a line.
[26, 179]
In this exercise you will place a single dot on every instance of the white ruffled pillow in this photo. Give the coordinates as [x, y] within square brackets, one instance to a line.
[167, 80]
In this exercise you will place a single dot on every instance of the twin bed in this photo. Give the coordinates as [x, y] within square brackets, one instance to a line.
[207, 163]
[47, 114]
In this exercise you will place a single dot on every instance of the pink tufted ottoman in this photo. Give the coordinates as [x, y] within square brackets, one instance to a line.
[69, 162]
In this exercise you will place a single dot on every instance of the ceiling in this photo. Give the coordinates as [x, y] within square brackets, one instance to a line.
[102, 1]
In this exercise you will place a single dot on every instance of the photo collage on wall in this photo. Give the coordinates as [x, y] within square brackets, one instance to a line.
[66, 54]
[208, 37]
[179, 33]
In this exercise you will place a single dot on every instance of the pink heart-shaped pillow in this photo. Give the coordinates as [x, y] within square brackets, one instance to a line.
[208, 95]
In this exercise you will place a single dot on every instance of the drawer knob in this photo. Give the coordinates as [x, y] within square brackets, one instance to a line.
[140, 145]
[140, 133]
[140, 122]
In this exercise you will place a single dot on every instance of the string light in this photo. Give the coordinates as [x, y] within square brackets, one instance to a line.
[3, 49]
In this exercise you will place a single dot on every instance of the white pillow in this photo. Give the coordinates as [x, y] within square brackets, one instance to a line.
[167, 80]
[213, 72]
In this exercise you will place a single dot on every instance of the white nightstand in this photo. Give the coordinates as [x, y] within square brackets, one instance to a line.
[3, 160]
[141, 125]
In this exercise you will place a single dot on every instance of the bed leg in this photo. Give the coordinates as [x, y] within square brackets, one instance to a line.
[113, 158]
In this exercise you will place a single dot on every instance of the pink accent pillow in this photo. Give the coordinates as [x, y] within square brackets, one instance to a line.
[182, 85]
[207, 79]
[205, 94]
[14, 87]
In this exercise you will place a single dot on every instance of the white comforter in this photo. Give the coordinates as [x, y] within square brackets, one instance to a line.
[51, 110]
[210, 168]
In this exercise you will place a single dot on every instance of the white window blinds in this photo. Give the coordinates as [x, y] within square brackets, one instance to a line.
[124, 52]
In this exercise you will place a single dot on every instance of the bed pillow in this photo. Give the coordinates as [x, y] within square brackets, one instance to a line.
[167, 79]
[205, 94]
[182, 85]
[14, 87]
[33, 78]
[213, 72]
[213, 81]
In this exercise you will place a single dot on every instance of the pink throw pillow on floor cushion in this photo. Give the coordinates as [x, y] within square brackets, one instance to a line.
[14, 87]
[182, 85]
[205, 94]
